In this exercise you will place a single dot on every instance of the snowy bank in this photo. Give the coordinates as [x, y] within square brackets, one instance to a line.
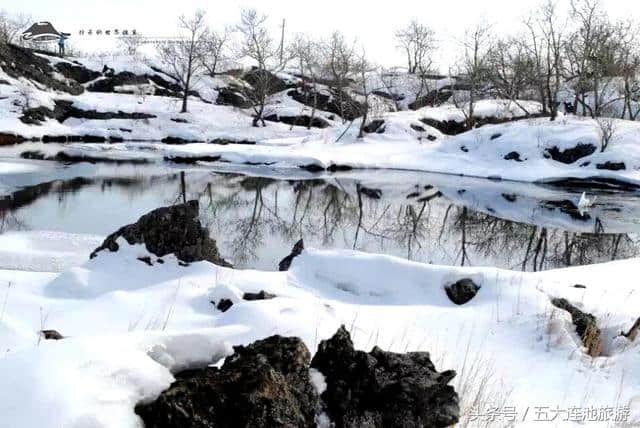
[128, 123]
[534, 150]
[139, 324]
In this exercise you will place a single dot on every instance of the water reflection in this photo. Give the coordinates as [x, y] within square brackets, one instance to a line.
[424, 217]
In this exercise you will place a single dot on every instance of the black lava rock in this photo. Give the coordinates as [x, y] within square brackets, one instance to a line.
[169, 230]
[285, 264]
[265, 384]
[571, 155]
[51, 335]
[515, 156]
[224, 305]
[612, 166]
[262, 295]
[462, 291]
[383, 389]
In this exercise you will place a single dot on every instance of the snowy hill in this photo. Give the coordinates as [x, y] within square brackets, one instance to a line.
[133, 106]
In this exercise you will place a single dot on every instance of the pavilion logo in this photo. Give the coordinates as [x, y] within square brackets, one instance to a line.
[45, 32]
[41, 32]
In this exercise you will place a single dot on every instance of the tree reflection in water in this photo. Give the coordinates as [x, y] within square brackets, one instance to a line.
[256, 220]
[247, 213]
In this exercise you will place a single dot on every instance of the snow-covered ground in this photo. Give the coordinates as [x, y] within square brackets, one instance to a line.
[503, 109]
[45, 251]
[204, 122]
[513, 151]
[131, 326]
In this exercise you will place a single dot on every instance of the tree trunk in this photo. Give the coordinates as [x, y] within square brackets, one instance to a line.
[463, 245]
[259, 112]
[187, 83]
[315, 104]
[184, 102]
[186, 95]
[364, 120]
[183, 187]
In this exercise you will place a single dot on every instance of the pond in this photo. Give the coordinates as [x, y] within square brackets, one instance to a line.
[256, 214]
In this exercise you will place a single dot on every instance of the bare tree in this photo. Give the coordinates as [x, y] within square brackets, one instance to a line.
[510, 70]
[182, 60]
[533, 41]
[608, 66]
[340, 65]
[214, 46]
[607, 130]
[131, 44]
[594, 54]
[628, 67]
[418, 43]
[579, 48]
[630, 75]
[25, 99]
[546, 44]
[473, 66]
[11, 26]
[304, 50]
[388, 82]
[258, 45]
[363, 67]
[427, 91]
[283, 27]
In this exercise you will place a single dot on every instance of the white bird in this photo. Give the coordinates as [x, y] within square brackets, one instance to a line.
[586, 203]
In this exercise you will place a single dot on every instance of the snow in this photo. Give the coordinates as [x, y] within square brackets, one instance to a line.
[283, 105]
[97, 381]
[488, 145]
[130, 327]
[45, 251]
[12, 167]
[118, 63]
[478, 153]
[400, 147]
[206, 122]
[318, 381]
[404, 86]
[500, 109]
[406, 143]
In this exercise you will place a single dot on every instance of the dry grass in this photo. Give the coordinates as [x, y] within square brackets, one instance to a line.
[479, 390]
[479, 387]
[592, 340]
[44, 316]
[4, 303]
[160, 318]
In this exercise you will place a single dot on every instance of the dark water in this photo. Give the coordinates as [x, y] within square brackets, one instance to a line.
[257, 214]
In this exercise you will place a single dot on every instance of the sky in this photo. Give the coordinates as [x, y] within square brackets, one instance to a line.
[373, 23]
